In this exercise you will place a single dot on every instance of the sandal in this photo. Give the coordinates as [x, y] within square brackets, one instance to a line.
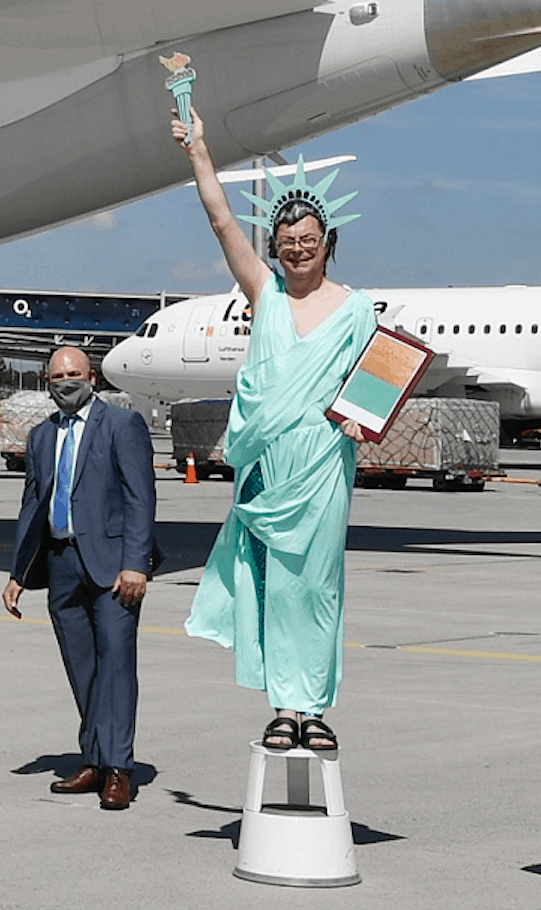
[272, 731]
[319, 731]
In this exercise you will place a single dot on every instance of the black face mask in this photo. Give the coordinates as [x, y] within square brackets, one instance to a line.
[71, 394]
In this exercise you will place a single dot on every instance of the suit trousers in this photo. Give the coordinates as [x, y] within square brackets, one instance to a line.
[97, 637]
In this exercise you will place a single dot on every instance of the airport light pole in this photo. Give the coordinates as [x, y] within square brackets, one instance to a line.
[259, 234]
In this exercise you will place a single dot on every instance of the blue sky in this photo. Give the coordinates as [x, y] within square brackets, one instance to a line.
[449, 187]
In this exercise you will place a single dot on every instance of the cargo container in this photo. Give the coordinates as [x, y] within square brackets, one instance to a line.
[24, 410]
[199, 427]
[18, 415]
[452, 441]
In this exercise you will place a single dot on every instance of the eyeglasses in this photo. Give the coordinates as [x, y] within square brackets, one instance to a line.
[306, 243]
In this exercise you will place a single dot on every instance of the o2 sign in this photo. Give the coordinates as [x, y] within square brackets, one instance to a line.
[21, 308]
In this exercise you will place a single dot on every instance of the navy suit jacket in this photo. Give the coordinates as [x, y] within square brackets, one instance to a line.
[113, 498]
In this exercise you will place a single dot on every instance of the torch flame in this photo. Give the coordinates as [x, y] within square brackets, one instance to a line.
[177, 62]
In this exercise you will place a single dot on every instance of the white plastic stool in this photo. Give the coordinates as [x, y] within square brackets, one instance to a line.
[296, 843]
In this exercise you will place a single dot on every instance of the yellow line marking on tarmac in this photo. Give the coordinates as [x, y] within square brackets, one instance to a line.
[412, 649]
[157, 630]
[35, 621]
[418, 649]
[154, 630]
[494, 655]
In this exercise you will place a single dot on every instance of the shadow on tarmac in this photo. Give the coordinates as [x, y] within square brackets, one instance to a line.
[67, 763]
[230, 831]
[187, 799]
[415, 540]
[187, 544]
[362, 834]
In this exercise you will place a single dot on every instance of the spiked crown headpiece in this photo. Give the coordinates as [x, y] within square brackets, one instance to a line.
[299, 191]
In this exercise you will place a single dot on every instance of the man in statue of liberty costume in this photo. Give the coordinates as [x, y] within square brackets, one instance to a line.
[273, 586]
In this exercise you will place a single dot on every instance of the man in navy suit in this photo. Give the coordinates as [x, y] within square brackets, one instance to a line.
[85, 531]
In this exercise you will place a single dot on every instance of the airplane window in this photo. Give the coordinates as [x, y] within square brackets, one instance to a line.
[152, 330]
[423, 330]
[518, 329]
[471, 329]
[535, 329]
[456, 329]
[503, 329]
[486, 330]
[441, 329]
[141, 330]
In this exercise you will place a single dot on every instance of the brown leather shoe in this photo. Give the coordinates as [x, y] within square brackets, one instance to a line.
[116, 790]
[87, 779]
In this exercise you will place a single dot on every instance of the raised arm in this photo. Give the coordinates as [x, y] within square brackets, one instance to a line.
[248, 269]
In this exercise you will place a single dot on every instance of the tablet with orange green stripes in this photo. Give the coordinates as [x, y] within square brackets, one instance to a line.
[382, 379]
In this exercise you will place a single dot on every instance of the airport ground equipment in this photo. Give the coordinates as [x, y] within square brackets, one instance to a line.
[296, 843]
[24, 410]
[198, 427]
[452, 441]
[18, 415]
[191, 473]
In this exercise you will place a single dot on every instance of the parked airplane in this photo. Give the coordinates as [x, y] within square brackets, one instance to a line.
[84, 117]
[487, 341]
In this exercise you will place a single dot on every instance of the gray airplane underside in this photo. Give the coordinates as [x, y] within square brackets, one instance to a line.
[84, 116]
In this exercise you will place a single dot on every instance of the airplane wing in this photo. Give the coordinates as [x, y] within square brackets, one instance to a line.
[84, 115]
[492, 380]
[449, 376]
[38, 38]
[283, 170]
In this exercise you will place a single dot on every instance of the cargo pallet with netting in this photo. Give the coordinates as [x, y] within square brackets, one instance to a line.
[23, 411]
[198, 429]
[452, 441]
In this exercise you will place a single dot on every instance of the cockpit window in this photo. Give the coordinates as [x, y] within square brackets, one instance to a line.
[152, 330]
[141, 330]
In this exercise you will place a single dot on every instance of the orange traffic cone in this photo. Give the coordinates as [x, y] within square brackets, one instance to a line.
[191, 473]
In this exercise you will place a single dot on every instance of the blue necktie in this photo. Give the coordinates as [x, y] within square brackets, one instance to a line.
[64, 476]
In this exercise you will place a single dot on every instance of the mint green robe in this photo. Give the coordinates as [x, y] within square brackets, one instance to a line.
[294, 651]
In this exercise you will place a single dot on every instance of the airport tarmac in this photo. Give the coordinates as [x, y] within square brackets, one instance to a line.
[439, 717]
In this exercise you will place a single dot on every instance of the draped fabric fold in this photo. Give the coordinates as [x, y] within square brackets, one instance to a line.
[307, 466]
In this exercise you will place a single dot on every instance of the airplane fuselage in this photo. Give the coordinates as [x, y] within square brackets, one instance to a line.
[488, 342]
[84, 116]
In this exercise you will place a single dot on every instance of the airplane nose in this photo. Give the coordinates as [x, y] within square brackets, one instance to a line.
[114, 367]
[467, 36]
